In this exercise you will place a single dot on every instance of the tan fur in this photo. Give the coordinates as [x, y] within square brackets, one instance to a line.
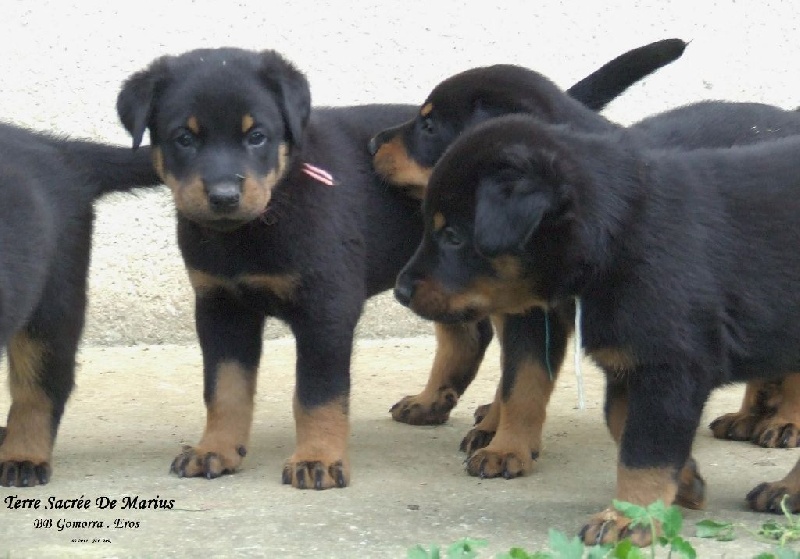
[426, 109]
[193, 125]
[438, 221]
[789, 407]
[247, 123]
[646, 485]
[257, 191]
[229, 414]
[322, 432]
[614, 359]
[394, 164]
[29, 435]
[617, 414]
[281, 285]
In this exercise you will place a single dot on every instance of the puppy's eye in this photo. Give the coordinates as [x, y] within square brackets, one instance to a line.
[185, 139]
[256, 138]
[427, 125]
[450, 237]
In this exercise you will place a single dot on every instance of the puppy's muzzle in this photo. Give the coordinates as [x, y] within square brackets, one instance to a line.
[404, 290]
[224, 197]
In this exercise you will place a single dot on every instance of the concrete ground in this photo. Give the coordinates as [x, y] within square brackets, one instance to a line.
[135, 406]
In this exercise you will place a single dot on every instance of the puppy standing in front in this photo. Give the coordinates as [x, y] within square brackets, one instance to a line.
[680, 260]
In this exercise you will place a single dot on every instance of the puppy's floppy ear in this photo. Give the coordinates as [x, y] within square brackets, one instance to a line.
[506, 219]
[291, 88]
[511, 202]
[137, 98]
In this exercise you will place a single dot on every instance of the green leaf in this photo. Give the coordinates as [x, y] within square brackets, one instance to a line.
[465, 548]
[565, 548]
[626, 550]
[599, 551]
[519, 553]
[419, 552]
[720, 531]
[636, 513]
[679, 545]
[671, 521]
[657, 510]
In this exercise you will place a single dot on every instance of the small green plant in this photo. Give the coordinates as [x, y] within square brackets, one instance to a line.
[466, 548]
[713, 529]
[653, 515]
[784, 533]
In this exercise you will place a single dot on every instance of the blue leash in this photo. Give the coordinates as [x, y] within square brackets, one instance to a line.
[547, 345]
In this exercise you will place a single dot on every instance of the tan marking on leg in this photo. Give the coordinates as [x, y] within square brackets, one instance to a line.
[320, 458]
[750, 399]
[740, 425]
[230, 412]
[642, 486]
[247, 123]
[614, 359]
[768, 497]
[691, 487]
[789, 406]
[781, 429]
[457, 350]
[29, 432]
[519, 430]
[617, 414]
[426, 109]
[193, 124]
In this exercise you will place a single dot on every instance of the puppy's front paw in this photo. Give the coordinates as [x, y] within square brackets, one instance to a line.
[316, 474]
[207, 463]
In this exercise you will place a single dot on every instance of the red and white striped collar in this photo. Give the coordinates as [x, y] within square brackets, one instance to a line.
[320, 175]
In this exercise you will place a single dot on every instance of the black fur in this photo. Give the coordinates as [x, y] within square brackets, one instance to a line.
[340, 244]
[473, 96]
[48, 185]
[405, 154]
[679, 259]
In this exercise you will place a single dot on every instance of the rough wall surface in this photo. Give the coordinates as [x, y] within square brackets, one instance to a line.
[63, 62]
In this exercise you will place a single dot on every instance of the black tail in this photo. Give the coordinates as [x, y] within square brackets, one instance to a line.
[110, 168]
[603, 85]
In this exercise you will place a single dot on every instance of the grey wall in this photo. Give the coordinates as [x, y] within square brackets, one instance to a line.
[62, 62]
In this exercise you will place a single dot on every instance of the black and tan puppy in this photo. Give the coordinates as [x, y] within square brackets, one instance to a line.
[678, 258]
[507, 436]
[404, 155]
[47, 187]
[279, 214]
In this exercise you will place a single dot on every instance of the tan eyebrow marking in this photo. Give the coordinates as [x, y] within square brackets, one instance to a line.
[247, 122]
[192, 124]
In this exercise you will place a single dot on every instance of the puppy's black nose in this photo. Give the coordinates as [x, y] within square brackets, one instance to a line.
[224, 197]
[374, 145]
[404, 291]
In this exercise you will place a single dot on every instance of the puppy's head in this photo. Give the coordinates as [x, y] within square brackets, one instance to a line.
[497, 214]
[223, 123]
[406, 154]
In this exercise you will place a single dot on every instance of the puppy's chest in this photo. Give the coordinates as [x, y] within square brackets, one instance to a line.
[269, 290]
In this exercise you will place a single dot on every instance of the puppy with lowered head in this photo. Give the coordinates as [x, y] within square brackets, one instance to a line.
[678, 257]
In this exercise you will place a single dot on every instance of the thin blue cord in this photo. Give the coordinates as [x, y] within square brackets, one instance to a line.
[547, 345]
